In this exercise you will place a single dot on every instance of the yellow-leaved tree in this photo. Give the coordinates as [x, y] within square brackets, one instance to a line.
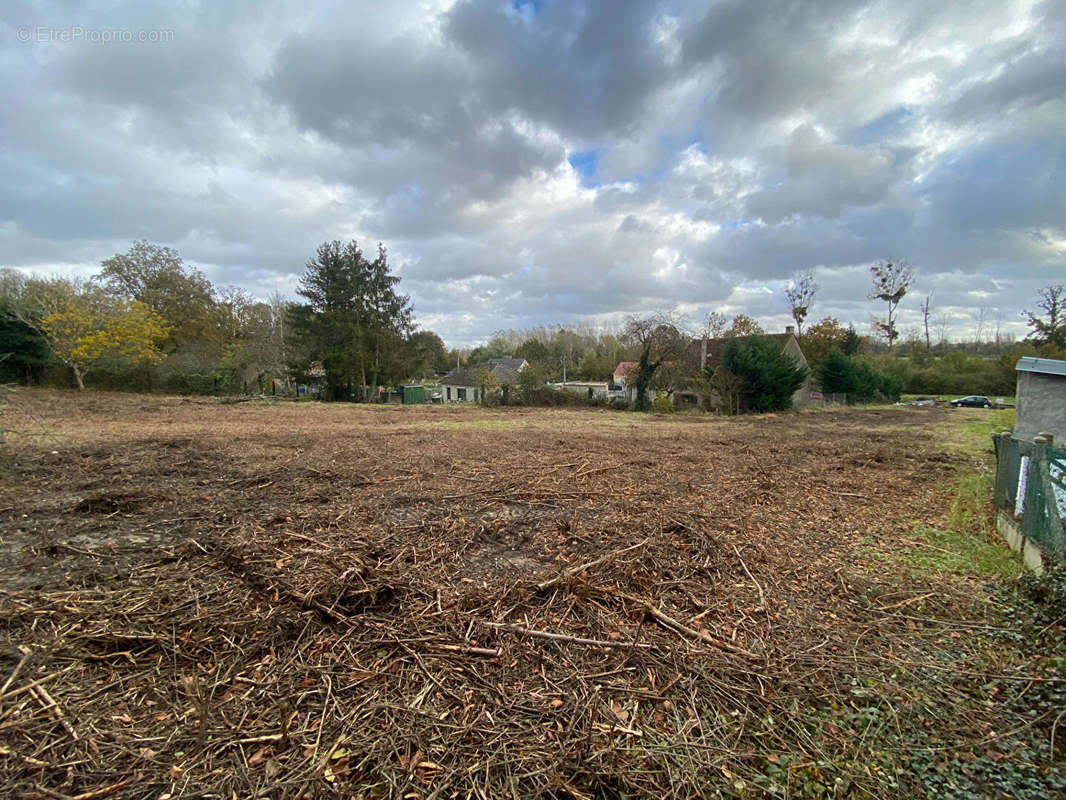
[88, 327]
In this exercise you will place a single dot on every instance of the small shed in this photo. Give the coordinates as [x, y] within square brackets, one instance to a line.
[414, 393]
[1041, 398]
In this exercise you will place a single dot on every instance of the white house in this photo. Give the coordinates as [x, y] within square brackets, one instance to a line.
[461, 384]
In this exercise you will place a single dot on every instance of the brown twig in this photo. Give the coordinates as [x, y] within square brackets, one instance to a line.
[562, 637]
[571, 573]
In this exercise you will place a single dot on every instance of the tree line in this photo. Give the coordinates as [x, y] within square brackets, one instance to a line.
[149, 321]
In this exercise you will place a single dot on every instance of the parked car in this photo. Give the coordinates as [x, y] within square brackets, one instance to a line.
[972, 401]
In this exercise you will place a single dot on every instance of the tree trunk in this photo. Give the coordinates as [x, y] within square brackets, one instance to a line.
[645, 372]
[77, 377]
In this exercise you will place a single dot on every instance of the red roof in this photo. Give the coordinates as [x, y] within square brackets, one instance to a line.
[624, 367]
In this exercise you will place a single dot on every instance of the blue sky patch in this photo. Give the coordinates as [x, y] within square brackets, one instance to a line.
[887, 126]
[585, 162]
[527, 6]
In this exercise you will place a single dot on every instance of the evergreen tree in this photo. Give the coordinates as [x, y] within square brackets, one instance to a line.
[839, 374]
[834, 373]
[354, 322]
[24, 351]
[770, 375]
[852, 342]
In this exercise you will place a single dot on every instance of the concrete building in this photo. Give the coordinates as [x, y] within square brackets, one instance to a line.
[1041, 398]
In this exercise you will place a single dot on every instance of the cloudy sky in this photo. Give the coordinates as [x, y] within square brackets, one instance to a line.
[550, 161]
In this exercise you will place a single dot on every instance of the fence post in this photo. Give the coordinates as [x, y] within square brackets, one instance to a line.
[1041, 522]
[999, 491]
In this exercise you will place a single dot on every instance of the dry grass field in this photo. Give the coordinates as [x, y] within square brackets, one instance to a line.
[200, 599]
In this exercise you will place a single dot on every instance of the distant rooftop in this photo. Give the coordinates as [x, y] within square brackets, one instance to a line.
[1045, 366]
[510, 363]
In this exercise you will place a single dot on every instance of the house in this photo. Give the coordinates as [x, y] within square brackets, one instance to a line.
[1041, 398]
[710, 351]
[621, 373]
[461, 384]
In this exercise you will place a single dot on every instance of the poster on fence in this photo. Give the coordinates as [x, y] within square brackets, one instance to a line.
[1023, 480]
[1057, 470]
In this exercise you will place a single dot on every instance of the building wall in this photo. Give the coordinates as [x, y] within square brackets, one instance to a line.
[802, 396]
[1041, 406]
[582, 388]
[471, 394]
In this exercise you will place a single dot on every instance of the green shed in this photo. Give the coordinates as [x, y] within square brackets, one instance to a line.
[414, 393]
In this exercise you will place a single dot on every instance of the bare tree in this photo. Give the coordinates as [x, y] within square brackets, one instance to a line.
[660, 341]
[568, 343]
[940, 325]
[743, 325]
[925, 320]
[728, 386]
[1050, 328]
[979, 327]
[800, 295]
[715, 326]
[891, 279]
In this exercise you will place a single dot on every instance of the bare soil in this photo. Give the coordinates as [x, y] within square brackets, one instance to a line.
[200, 599]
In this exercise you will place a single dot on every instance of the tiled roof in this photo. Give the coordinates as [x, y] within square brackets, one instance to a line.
[714, 346]
[505, 374]
[459, 377]
[467, 376]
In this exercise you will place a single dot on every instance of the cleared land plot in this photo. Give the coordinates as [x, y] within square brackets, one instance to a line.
[200, 599]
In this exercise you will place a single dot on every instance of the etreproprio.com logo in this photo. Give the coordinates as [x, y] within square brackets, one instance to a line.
[46, 34]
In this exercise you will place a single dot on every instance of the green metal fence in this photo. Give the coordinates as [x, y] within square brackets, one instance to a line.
[1031, 486]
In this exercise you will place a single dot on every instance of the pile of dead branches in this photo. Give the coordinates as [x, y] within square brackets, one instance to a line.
[673, 620]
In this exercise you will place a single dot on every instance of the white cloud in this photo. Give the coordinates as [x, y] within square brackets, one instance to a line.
[735, 144]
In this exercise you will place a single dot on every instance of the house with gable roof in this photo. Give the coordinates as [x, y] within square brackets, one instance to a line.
[461, 384]
[621, 373]
[710, 352]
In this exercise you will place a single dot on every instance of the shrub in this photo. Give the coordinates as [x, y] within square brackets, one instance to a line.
[839, 374]
[662, 404]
